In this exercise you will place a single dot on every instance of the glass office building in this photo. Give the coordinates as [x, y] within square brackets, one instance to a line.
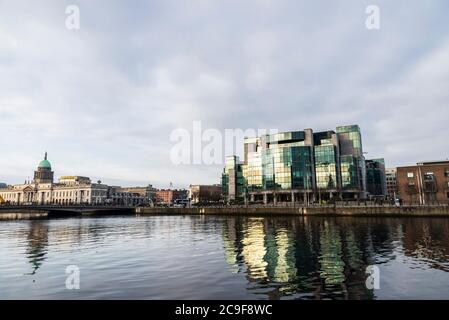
[349, 172]
[326, 161]
[350, 140]
[232, 181]
[376, 178]
[299, 166]
[352, 162]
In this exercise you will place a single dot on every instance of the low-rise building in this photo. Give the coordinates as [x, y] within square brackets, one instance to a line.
[170, 196]
[204, 193]
[148, 192]
[425, 183]
[392, 188]
[124, 197]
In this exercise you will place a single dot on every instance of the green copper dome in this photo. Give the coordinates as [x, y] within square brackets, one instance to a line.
[45, 164]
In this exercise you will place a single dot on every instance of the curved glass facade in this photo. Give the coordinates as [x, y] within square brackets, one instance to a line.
[326, 167]
[349, 172]
[323, 164]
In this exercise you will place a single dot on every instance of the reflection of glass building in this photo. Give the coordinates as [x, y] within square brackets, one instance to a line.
[300, 166]
[254, 249]
[304, 258]
[229, 245]
[285, 269]
[331, 261]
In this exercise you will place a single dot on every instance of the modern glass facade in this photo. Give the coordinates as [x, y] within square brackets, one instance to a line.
[376, 177]
[350, 140]
[299, 166]
[232, 181]
[325, 167]
[286, 165]
[326, 161]
[349, 172]
[352, 161]
[252, 172]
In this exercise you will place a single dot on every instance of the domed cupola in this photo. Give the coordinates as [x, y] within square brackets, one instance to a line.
[43, 174]
[45, 164]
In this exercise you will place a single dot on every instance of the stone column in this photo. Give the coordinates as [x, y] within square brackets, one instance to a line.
[265, 198]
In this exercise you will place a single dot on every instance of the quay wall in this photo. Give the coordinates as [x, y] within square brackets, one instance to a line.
[323, 210]
[23, 215]
[402, 211]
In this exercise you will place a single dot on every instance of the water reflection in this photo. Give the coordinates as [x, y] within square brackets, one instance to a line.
[37, 244]
[327, 257]
[254, 249]
[271, 257]
[285, 269]
[428, 243]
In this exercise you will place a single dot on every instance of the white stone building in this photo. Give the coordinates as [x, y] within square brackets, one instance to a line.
[42, 190]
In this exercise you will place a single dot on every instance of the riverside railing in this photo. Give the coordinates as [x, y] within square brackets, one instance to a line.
[339, 205]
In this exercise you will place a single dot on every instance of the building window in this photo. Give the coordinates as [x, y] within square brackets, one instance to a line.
[410, 175]
[429, 176]
[446, 173]
[448, 195]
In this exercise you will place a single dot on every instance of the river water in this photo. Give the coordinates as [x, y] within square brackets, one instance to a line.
[216, 257]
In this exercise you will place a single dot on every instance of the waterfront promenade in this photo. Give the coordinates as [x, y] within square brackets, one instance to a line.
[310, 210]
[36, 211]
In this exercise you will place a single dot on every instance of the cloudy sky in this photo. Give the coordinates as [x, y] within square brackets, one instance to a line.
[104, 99]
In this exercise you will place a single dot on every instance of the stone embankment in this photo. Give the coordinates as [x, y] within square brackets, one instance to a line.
[321, 210]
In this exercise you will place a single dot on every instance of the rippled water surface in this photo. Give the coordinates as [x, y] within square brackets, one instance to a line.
[194, 257]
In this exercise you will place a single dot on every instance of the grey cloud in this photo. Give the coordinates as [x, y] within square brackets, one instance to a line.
[103, 100]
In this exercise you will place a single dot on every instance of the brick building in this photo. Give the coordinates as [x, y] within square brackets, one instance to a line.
[169, 196]
[204, 193]
[424, 183]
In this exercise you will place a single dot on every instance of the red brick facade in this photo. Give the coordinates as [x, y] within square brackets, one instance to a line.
[425, 183]
[169, 196]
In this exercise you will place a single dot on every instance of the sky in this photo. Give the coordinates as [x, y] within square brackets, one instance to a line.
[104, 99]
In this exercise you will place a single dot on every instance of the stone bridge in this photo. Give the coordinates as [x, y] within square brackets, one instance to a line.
[30, 211]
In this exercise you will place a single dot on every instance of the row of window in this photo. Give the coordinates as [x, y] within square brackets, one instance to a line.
[427, 175]
[412, 183]
[59, 194]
